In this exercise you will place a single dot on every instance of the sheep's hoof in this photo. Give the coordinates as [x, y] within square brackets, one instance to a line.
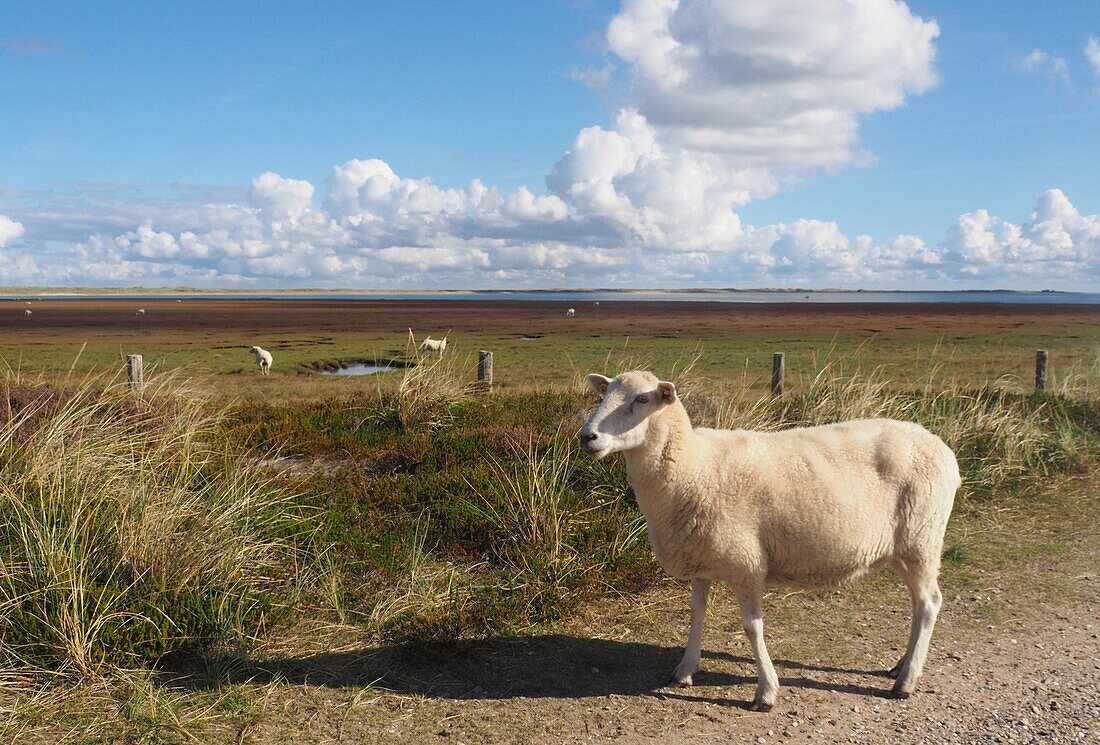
[895, 671]
[683, 681]
[758, 705]
[900, 694]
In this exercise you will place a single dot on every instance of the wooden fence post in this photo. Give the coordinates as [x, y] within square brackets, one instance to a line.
[1040, 369]
[485, 369]
[778, 371]
[135, 374]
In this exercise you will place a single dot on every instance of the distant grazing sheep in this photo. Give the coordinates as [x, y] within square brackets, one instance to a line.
[809, 507]
[141, 311]
[434, 345]
[27, 312]
[571, 312]
[263, 359]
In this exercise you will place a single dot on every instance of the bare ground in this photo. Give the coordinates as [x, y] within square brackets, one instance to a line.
[1015, 660]
[111, 319]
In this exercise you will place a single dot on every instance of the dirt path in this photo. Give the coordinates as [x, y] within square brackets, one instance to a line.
[1006, 666]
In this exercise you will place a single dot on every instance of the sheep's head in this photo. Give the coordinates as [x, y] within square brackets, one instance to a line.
[256, 350]
[621, 421]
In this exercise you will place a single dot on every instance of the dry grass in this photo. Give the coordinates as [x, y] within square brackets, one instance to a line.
[1081, 380]
[535, 512]
[129, 706]
[130, 528]
[425, 587]
[427, 391]
[998, 435]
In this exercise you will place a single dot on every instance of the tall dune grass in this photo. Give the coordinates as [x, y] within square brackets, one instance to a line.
[426, 392]
[998, 435]
[536, 513]
[130, 527]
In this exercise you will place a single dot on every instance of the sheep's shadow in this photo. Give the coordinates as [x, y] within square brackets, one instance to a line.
[552, 666]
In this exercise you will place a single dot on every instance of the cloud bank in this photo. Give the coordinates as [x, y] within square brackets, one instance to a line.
[725, 103]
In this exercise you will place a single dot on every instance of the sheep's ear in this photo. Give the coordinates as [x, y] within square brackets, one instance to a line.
[598, 382]
[667, 391]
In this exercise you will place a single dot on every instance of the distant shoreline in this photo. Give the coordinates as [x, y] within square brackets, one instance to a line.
[16, 291]
[582, 299]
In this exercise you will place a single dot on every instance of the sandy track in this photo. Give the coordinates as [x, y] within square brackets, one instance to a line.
[1004, 667]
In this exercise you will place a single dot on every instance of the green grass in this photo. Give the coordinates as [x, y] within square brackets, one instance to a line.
[971, 348]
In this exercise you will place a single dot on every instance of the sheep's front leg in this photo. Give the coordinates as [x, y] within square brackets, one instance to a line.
[767, 685]
[700, 590]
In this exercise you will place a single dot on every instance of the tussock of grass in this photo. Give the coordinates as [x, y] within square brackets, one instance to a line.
[422, 587]
[129, 528]
[536, 516]
[426, 393]
[1081, 381]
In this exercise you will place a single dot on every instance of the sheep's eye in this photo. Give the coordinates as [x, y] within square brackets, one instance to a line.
[643, 399]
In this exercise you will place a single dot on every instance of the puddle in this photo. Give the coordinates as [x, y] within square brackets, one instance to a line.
[533, 337]
[356, 366]
[358, 369]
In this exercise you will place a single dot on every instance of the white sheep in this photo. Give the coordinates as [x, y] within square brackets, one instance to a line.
[434, 345]
[140, 311]
[27, 312]
[263, 359]
[810, 507]
[571, 312]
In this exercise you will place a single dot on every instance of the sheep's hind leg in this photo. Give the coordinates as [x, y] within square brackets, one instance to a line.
[700, 589]
[914, 632]
[927, 600]
[767, 686]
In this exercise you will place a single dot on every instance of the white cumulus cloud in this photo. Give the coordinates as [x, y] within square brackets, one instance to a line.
[284, 198]
[771, 83]
[9, 230]
[1057, 242]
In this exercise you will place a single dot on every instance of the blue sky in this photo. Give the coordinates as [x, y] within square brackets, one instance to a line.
[132, 135]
